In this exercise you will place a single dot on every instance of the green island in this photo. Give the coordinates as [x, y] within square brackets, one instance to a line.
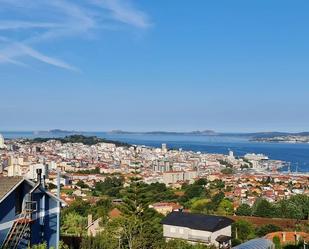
[87, 140]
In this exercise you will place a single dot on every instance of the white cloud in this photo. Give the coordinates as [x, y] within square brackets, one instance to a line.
[7, 25]
[125, 12]
[40, 21]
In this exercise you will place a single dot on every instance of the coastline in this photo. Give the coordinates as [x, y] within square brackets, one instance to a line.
[294, 153]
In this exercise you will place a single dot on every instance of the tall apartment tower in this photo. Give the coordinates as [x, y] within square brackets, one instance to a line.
[2, 145]
[164, 148]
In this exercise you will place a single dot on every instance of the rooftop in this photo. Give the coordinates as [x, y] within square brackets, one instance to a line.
[7, 184]
[209, 223]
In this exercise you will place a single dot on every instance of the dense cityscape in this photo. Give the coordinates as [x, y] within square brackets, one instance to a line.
[95, 174]
[139, 124]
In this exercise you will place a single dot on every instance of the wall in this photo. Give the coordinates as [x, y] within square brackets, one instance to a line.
[7, 216]
[194, 235]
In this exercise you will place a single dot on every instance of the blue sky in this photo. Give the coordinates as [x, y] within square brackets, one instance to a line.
[145, 65]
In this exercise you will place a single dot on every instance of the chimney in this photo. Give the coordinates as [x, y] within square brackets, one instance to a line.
[39, 175]
[89, 219]
[283, 237]
[297, 238]
[44, 183]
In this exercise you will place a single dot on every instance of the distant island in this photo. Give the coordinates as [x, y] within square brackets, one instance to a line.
[56, 132]
[205, 132]
[87, 140]
[272, 136]
[284, 139]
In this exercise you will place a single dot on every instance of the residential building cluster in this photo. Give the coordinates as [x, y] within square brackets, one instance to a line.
[254, 175]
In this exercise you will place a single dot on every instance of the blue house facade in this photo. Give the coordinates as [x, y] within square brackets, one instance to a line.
[28, 214]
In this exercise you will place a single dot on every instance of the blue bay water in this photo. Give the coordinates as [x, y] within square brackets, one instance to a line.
[296, 154]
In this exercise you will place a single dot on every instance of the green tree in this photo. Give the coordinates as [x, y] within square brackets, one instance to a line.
[73, 224]
[201, 181]
[200, 206]
[301, 201]
[244, 210]
[227, 171]
[81, 184]
[269, 228]
[289, 209]
[194, 191]
[263, 208]
[277, 243]
[78, 206]
[217, 198]
[139, 226]
[217, 184]
[243, 230]
[225, 207]
[111, 186]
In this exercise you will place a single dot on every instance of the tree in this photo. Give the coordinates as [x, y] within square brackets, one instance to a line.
[111, 186]
[78, 206]
[81, 184]
[227, 171]
[138, 227]
[243, 230]
[201, 181]
[244, 210]
[200, 206]
[301, 201]
[194, 191]
[269, 228]
[225, 207]
[263, 208]
[217, 198]
[289, 209]
[74, 224]
[277, 243]
[217, 184]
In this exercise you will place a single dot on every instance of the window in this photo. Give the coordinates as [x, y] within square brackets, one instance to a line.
[173, 230]
[181, 230]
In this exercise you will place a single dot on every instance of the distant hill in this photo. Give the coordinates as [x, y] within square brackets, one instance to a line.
[205, 132]
[55, 132]
[277, 134]
[87, 140]
[270, 134]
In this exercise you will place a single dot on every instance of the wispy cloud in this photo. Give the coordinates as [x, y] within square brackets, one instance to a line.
[40, 21]
[125, 12]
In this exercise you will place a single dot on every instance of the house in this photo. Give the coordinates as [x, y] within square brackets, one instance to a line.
[28, 213]
[287, 238]
[198, 228]
[165, 207]
[94, 227]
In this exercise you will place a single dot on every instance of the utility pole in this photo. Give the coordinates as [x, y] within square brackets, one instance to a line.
[58, 210]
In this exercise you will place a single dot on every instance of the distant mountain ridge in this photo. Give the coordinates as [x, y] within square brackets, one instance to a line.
[56, 131]
[205, 132]
[253, 135]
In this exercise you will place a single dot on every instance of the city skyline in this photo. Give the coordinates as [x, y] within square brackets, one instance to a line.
[100, 65]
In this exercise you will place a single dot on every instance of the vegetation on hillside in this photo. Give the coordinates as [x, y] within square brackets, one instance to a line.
[139, 226]
[87, 140]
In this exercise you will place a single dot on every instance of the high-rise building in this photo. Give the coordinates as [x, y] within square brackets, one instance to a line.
[164, 148]
[2, 145]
